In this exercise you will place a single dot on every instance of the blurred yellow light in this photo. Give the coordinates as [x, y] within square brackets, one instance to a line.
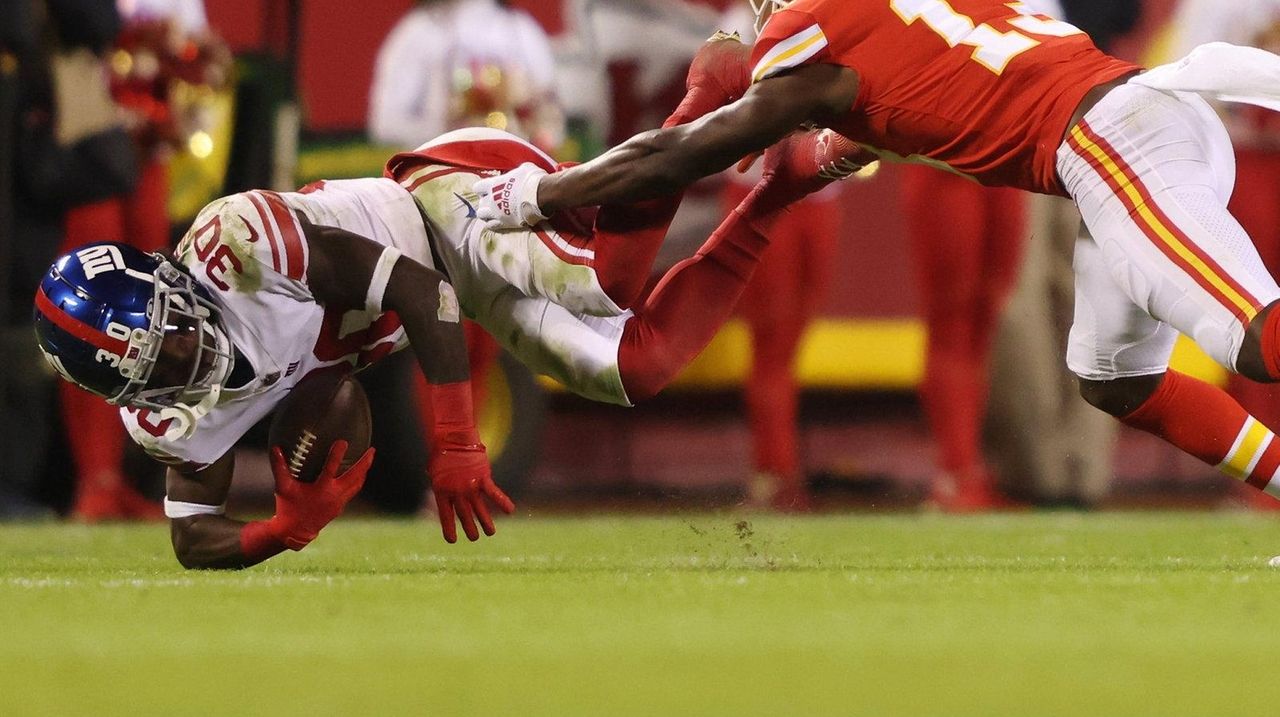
[121, 62]
[491, 76]
[496, 120]
[201, 145]
[868, 171]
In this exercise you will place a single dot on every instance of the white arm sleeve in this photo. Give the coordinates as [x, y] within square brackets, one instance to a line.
[178, 509]
[381, 277]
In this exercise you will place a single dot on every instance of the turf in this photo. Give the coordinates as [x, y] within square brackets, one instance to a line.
[1166, 614]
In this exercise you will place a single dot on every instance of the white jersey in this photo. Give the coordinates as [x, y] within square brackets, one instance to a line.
[417, 91]
[249, 251]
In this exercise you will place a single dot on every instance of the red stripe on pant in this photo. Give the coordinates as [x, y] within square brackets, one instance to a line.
[1149, 231]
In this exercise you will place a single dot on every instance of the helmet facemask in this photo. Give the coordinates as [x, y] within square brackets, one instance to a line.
[764, 9]
[176, 306]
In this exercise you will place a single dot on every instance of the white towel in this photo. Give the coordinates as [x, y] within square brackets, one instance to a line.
[1223, 72]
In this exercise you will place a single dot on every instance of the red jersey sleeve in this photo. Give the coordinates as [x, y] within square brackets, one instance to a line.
[791, 39]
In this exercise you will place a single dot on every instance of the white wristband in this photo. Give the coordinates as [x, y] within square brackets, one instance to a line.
[381, 277]
[178, 509]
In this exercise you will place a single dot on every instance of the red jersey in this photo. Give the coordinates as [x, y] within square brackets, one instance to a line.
[982, 86]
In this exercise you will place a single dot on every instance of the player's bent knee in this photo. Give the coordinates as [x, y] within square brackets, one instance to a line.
[1254, 362]
[1122, 396]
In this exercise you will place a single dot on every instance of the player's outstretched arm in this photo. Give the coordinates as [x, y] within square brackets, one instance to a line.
[204, 538]
[659, 162]
[347, 270]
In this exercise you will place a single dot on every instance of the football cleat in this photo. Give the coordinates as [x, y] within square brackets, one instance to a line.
[719, 75]
[101, 316]
[967, 494]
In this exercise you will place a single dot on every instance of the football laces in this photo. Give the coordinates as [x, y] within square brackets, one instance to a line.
[302, 449]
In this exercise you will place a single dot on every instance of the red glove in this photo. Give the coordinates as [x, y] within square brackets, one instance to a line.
[304, 509]
[459, 466]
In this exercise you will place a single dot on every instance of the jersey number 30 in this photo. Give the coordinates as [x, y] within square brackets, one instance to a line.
[991, 48]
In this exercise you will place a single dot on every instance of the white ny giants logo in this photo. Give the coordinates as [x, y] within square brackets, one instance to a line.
[99, 259]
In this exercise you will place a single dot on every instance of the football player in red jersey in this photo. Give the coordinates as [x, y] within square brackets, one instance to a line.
[992, 91]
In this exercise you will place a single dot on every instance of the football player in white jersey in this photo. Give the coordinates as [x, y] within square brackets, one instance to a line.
[269, 287]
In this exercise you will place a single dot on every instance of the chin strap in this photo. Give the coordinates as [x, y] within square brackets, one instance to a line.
[184, 417]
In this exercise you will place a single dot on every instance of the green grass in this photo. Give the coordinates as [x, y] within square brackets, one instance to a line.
[1147, 614]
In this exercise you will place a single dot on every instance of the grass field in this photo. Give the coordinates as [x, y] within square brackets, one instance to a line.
[707, 614]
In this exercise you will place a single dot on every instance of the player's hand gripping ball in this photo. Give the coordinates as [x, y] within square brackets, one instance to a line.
[324, 407]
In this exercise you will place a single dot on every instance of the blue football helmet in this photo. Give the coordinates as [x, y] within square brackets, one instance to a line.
[101, 316]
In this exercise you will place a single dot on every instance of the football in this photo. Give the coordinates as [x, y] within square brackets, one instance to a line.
[324, 407]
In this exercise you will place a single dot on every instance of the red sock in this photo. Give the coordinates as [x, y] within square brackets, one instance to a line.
[626, 241]
[1207, 423]
[690, 304]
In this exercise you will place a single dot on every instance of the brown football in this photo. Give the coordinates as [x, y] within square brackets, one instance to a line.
[323, 407]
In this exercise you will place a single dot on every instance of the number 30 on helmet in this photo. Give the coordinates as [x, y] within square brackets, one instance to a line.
[101, 316]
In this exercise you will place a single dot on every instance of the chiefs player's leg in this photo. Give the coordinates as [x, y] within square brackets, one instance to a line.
[951, 275]
[1152, 174]
[777, 306]
[1121, 355]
